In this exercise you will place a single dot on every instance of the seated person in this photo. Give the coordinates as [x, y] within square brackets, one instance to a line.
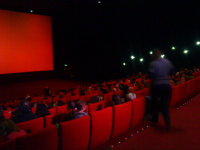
[24, 113]
[94, 99]
[71, 108]
[46, 91]
[130, 96]
[58, 103]
[81, 107]
[9, 130]
[116, 99]
[60, 95]
[28, 97]
[42, 110]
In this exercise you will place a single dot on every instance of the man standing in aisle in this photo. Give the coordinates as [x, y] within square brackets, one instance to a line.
[160, 70]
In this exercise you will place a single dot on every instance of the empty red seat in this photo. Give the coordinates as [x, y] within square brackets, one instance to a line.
[119, 93]
[94, 94]
[107, 99]
[32, 125]
[187, 89]
[138, 111]
[122, 118]
[182, 91]
[175, 95]
[45, 139]
[58, 118]
[74, 98]
[62, 109]
[33, 109]
[48, 120]
[75, 134]
[7, 145]
[63, 99]
[192, 86]
[7, 116]
[139, 93]
[52, 111]
[101, 126]
[147, 92]
[96, 106]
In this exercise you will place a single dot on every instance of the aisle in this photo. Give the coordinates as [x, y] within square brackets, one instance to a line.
[184, 135]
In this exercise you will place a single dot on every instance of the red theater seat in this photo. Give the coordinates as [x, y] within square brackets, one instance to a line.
[7, 145]
[7, 116]
[182, 91]
[107, 99]
[85, 98]
[96, 106]
[52, 111]
[101, 126]
[197, 85]
[33, 109]
[174, 95]
[138, 111]
[48, 120]
[119, 93]
[147, 92]
[94, 94]
[32, 125]
[74, 98]
[75, 134]
[187, 89]
[63, 99]
[192, 86]
[122, 118]
[45, 139]
[58, 118]
[139, 93]
[62, 109]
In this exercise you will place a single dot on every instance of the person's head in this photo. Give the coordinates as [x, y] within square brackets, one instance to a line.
[94, 99]
[116, 99]
[24, 106]
[81, 106]
[60, 103]
[46, 87]
[7, 126]
[156, 54]
[71, 105]
[42, 110]
[130, 96]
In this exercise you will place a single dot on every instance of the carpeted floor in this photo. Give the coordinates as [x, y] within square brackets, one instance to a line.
[184, 135]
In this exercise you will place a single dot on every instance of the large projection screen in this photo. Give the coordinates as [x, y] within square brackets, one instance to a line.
[25, 42]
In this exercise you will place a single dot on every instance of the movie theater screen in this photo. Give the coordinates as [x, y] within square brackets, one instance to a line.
[25, 42]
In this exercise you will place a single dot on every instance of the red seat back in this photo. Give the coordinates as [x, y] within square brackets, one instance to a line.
[187, 89]
[96, 106]
[45, 139]
[58, 118]
[139, 93]
[101, 126]
[32, 125]
[175, 95]
[119, 93]
[75, 134]
[122, 118]
[74, 98]
[33, 109]
[147, 92]
[48, 120]
[62, 109]
[85, 98]
[7, 116]
[107, 99]
[192, 86]
[182, 91]
[197, 85]
[52, 111]
[7, 145]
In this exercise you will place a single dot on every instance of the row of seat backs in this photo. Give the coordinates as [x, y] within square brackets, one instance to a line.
[184, 90]
[101, 126]
[45, 139]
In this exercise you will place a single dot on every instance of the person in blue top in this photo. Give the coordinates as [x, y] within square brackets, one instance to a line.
[159, 72]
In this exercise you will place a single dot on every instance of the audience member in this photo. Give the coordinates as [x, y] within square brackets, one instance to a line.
[9, 130]
[24, 113]
[116, 99]
[42, 110]
[71, 108]
[46, 91]
[81, 108]
[94, 99]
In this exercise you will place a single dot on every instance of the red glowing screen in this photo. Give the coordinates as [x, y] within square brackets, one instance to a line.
[25, 42]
